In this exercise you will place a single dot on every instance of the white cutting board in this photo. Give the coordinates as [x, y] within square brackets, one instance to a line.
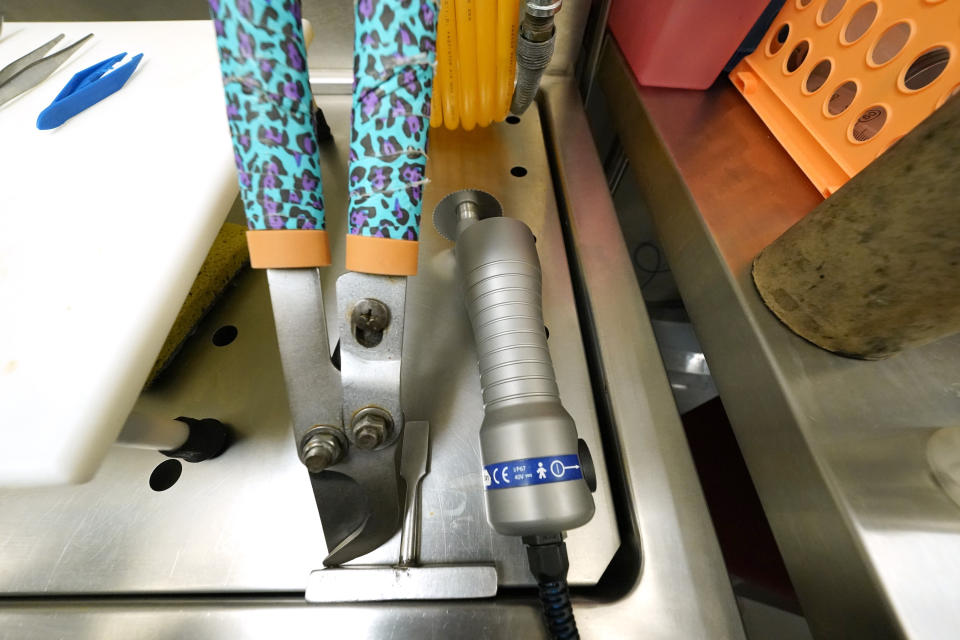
[104, 224]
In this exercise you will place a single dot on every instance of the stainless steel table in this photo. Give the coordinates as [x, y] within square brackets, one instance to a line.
[834, 446]
[226, 552]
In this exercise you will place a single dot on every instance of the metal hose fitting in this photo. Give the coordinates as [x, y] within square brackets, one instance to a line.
[534, 51]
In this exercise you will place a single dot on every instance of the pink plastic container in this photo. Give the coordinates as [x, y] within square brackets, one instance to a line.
[681, 43]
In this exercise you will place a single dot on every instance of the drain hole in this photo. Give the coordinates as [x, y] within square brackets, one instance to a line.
[224, 335]
[513, 120]
[165, 475]
[518, 172]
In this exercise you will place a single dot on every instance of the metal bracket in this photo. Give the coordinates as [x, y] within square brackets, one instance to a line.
[354, 470]
[370, 369]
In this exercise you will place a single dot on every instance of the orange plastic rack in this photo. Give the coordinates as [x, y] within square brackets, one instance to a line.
[840, 81]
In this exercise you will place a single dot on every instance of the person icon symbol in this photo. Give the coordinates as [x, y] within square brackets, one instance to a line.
[541, 472]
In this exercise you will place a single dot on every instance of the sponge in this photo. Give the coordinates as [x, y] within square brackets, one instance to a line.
[224, 261]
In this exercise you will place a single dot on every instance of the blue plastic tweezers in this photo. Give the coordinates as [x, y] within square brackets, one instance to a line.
[86, 88]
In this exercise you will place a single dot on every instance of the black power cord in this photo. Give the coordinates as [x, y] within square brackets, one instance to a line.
[657, 267]
[548, 560]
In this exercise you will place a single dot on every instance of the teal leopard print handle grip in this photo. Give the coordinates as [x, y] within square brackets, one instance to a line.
[264, 66]
[394, 53]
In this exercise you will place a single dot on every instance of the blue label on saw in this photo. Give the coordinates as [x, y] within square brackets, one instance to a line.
[522, 473]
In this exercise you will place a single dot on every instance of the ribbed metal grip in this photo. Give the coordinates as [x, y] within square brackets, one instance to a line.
[523, 416]
[503, 300]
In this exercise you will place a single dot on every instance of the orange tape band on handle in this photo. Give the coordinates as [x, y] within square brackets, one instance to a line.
[382, 256]
[288, 248]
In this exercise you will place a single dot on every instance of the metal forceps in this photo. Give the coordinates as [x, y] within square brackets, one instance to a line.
[27, 72]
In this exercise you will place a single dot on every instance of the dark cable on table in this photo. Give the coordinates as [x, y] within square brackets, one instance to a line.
[548, 560]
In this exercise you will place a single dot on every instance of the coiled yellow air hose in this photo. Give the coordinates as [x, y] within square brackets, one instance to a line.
[476, 62]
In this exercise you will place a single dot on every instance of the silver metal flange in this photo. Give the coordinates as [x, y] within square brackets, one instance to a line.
[543, 8]
[446, 214]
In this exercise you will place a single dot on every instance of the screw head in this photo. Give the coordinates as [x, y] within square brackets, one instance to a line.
[369, 320]
[369, 430]
[320, 451]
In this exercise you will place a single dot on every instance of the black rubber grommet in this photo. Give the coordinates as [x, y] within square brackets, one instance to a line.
[207, 439]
